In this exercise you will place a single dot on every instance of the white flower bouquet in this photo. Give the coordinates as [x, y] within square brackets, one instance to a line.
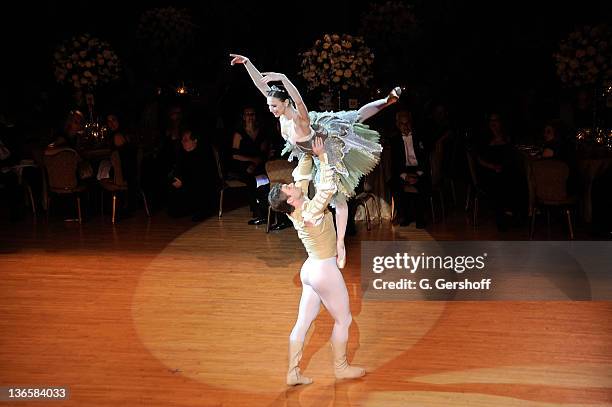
[85, 61]
[337, 61]
[585, 56]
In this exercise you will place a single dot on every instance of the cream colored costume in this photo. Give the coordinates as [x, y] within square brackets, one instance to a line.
[322, 281]
[353, 149]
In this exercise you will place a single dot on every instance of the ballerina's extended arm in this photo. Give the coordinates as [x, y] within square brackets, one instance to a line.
[254, 73]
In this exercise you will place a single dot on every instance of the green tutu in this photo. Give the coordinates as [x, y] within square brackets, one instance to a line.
[353, 149]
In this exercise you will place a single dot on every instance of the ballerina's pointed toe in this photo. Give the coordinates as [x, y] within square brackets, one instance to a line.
[341, 259]
[394, 95]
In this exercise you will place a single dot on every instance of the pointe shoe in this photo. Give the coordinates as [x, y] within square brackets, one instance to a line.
[342, 369]
[394, 95]
[341, 259]
[294, 377]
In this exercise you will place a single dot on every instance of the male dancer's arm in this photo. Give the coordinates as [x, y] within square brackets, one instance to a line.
[326, 188]
[302, 174]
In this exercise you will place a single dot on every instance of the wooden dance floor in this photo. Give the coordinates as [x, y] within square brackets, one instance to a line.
[175, 313]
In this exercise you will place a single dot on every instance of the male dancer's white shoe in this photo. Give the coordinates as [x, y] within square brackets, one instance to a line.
[294, 377]
[342, 369]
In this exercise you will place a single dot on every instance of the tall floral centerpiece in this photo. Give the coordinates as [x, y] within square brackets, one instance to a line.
[584, 59]
[336, 63]
[165, 36]
[83, 63]
[393, 27]
[585, 56]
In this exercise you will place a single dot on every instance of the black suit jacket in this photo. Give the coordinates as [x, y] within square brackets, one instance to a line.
[398, 157]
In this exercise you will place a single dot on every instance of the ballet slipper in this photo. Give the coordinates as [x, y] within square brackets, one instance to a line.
[341, 259]
[294, 377]
[394, 95]
[342, 369]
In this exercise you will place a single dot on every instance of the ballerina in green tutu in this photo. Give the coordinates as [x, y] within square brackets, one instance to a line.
[352, 148]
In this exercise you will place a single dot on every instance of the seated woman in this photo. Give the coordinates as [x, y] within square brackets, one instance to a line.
[554, 144]
[69, 134]
[498, 172]
[128, 154]
[250, 148]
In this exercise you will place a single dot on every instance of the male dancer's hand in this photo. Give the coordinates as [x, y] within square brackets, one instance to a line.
[317, 146]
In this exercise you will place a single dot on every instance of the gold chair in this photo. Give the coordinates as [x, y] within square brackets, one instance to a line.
[548, 180]
[362, 200]
[115, 184]
[26, 185]
[61, 173]
[139, 161]
[225, 183]
[119, 184]
[474, 191]
[279, 171]
[437, 177]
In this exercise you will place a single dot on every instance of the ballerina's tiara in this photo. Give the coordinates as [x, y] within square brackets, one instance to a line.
[275, 88]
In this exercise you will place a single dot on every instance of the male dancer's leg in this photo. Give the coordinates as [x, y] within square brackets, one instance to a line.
[310, 303]
[327, 281]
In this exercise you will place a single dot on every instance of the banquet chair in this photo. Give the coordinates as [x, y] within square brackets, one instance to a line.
[362, 200]
[278, 171]
[548, 180]
[225, 182]
[115, 184]
[61, 172]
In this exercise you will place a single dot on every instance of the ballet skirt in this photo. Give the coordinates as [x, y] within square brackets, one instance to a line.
[353, 149]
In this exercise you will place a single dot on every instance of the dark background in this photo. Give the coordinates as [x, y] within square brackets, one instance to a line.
[476, 55]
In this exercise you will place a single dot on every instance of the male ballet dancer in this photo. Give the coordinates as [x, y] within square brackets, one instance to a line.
[321, 278]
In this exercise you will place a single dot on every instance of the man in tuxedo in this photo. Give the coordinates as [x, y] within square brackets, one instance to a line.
[410, 181]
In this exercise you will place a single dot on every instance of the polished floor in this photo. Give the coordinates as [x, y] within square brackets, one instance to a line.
[163, 312]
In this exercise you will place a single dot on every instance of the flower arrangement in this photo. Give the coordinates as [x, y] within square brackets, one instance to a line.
[85, 61]
[337, 61]
[585, 56]
[165, 29]
[391, 21]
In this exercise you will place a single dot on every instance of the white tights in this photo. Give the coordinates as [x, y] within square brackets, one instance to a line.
[322, 282]
[370, 109]
[341, 217]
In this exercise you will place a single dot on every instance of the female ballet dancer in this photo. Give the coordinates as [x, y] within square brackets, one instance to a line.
[352, 148]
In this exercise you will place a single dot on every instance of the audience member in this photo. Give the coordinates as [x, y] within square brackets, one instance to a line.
[410, 181]
[250, 149]
[71, 131]
[128, 155]
[194, 179]
[498, 172]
